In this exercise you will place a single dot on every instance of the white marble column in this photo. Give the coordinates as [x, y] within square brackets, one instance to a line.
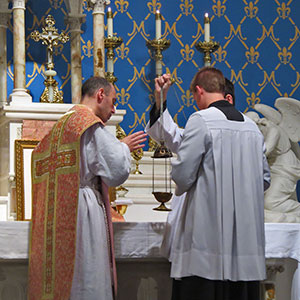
[98, 28]
[4, 18]
[75, 22]
[19, 94]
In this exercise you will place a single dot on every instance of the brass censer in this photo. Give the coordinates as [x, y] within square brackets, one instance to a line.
[163, 195]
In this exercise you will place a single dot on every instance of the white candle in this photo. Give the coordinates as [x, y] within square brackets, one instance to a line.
[158, 68]
[109, 15]
[110, 65]
[157, 25]
[206, 28]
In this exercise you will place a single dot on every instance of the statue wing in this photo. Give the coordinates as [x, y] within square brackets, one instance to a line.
[290, 111]
[269, 112]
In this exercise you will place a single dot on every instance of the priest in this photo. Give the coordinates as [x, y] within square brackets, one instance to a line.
[71, 250]
[217, 251]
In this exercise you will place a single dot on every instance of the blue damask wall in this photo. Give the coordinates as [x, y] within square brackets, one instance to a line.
[259, 51]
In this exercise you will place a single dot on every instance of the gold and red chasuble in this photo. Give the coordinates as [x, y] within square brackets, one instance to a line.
[55, 186]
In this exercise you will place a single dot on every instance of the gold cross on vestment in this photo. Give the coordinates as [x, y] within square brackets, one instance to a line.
[63, 160]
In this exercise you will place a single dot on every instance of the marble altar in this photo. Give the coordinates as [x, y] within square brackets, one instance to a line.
[142, 273]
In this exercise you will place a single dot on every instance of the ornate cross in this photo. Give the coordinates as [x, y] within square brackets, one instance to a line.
[50, 37]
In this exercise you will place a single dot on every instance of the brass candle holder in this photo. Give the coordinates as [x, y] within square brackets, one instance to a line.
[158, 45]
[207, 48]
[110, 43]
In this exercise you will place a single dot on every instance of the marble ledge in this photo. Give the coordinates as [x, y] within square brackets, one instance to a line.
[47, 111]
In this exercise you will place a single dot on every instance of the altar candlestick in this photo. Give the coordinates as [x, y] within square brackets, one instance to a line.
[206, 28]
[109, 15]
[157, 25]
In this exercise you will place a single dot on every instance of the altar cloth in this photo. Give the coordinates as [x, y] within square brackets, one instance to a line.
[14, 240]
[141, 241]
[283, 241]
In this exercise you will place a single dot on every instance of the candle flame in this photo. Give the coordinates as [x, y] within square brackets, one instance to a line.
[206, 15]
[109, 9]
[157, 11]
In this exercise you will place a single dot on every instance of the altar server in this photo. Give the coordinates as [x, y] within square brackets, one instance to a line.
[218, 247]
[71, 253]
[173, 137]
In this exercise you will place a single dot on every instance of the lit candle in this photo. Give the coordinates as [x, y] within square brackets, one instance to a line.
[109, 15]
[157, 25]
[206, 28]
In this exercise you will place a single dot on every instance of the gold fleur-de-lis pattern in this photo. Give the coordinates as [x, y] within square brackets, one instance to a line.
[259, 51]
[251, 10]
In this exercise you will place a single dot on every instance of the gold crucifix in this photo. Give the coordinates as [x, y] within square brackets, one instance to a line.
[50, 37]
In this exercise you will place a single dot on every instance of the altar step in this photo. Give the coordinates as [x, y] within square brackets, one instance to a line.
[142, 184]
[145, 164]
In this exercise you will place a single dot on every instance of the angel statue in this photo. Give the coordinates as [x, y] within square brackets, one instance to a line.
[281, 130]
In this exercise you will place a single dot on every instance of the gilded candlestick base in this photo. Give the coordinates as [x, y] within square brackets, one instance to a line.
[158, 45]
[162, 197]
[51, 93]
[207, 48]
[57, 94]
[137, 171]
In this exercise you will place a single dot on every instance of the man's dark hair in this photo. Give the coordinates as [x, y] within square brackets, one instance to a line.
[210, 79]
[93, 84]
[229, 89]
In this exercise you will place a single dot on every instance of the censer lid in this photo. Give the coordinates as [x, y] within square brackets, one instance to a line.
[162, 151]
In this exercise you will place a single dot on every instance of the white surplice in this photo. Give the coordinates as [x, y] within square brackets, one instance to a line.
[218, 228]
[101, 155]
